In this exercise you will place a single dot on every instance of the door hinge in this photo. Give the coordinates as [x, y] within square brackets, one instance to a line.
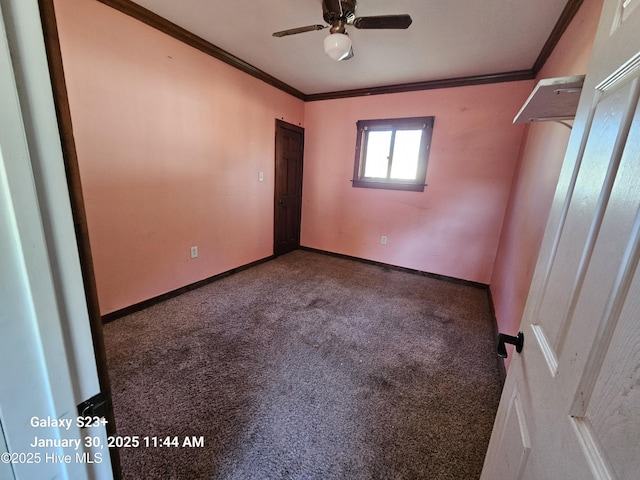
[96, 406]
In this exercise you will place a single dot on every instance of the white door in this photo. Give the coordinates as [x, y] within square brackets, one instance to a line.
[6, 472]
[47, 364]
[570, 408]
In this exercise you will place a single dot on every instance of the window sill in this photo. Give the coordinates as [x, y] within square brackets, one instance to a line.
[410, 187]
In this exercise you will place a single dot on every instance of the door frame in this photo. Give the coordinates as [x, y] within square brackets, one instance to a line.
[281, 124]
[48, 349]
[70, 157]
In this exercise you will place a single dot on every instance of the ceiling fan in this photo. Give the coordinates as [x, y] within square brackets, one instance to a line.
[340, 13]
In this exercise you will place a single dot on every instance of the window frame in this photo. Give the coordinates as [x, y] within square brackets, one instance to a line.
[393, 124]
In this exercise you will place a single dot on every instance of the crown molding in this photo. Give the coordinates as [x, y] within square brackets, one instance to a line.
[156, 21]
[570, 10]
[427, 85]
[160, 23]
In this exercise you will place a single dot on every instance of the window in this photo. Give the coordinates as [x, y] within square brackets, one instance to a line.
[393, 153]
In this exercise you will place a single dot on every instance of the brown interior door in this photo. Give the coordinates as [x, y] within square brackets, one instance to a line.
[288, 187]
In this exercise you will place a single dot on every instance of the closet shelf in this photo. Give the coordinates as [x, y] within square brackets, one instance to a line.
[553, 99]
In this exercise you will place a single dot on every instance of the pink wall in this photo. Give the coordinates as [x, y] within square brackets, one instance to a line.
[542, 153]
[453, 227]
[170, 143]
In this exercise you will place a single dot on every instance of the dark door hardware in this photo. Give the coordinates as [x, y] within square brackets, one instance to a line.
[518, 341]
[96, 406]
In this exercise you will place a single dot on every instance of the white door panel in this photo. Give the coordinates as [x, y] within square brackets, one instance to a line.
[583, 220]
[613, 408]
[515, 428]
[575, 387]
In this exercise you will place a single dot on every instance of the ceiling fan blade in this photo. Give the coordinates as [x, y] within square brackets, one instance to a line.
[383, 22]
[293, 31]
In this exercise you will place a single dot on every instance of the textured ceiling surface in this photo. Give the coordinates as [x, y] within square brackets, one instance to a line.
[447, 39]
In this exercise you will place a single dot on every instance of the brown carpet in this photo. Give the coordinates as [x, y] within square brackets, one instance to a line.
[309, 367]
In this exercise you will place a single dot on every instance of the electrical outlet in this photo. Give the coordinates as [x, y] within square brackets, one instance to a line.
[383, 239]
[194, 252]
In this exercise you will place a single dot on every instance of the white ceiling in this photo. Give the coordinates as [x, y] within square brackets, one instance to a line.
[448, 38]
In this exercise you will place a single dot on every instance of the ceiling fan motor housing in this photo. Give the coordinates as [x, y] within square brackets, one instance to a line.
[331, 10]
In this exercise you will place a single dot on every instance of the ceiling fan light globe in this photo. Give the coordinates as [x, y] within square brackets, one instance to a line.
[337, 46]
